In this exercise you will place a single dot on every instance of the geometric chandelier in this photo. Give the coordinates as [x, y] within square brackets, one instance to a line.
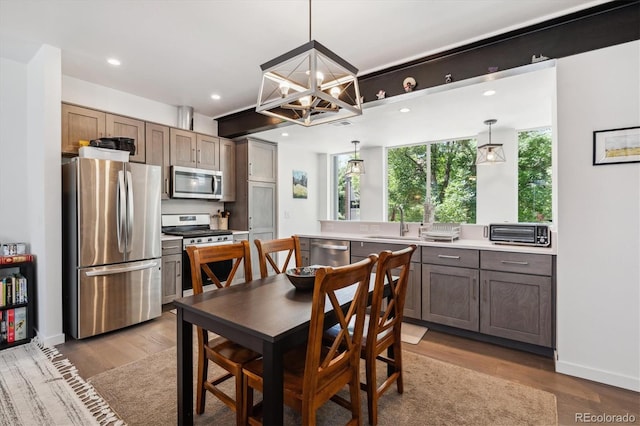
[490, 153]
[309, 85]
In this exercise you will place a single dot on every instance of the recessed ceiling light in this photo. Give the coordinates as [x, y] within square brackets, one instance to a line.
[113, 61]
[489, 93]
[405, 109]
[285, 134]
[215, 97]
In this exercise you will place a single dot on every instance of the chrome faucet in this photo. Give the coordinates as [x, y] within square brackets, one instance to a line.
[404, 228]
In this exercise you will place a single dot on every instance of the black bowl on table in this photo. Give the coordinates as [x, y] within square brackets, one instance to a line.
[302, 278]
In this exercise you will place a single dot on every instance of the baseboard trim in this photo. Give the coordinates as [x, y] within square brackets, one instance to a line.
[600, 376]
[50, 341]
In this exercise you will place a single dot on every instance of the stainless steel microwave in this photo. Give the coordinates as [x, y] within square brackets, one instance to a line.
[530, 234]
[187, 182]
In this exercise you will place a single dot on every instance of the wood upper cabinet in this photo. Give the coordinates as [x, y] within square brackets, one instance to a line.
[207, 152]
[79, 123]
[182, 148]
[157, 152]
[263, 161]
[189, 149]
[227, 167]
[118, 126]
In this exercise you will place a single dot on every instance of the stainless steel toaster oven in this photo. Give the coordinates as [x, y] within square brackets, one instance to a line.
[530, 234]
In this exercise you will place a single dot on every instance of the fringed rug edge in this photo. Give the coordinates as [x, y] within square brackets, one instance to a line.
[96, 405]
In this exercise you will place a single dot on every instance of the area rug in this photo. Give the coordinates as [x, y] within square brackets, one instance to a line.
[39, 387]
[411, 333]
[435, 393]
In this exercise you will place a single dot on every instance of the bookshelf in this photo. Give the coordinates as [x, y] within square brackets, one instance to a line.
[19, 304]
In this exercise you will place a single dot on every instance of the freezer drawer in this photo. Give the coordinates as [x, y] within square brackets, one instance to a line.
[116, 296]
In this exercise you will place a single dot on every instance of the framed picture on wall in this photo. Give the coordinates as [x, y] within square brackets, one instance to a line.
[299, 184]
[616, 146]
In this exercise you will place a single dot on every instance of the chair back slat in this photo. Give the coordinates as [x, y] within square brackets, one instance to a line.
[266, 250]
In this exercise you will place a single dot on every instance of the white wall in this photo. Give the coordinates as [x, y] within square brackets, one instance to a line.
[99, 97]
[14, 222]
[598, 320]
[373, 184]
[298, 215]
[497, 184]
[44, 187]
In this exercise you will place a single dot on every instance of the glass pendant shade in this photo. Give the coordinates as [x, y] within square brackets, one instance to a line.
[355, 166]
[309, 85]
[490, 153]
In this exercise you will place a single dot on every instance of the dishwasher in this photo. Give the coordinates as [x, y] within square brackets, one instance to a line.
[329, 252]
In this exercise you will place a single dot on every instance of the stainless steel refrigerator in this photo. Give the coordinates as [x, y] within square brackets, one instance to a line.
[112, 252]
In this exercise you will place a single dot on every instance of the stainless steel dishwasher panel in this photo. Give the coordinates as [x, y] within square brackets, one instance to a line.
[329, 252]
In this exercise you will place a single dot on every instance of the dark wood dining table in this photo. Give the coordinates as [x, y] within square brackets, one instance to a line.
[267, 315]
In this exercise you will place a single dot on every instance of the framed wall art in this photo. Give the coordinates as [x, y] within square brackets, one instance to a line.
[299, 184]
[616, 146]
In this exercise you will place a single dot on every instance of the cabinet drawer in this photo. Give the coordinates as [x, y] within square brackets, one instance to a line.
[304, 244]
[171, 247]
[524, 263]
[465, 258]
[364, 249]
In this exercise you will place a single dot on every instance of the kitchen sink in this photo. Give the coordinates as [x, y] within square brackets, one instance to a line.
[393, 237]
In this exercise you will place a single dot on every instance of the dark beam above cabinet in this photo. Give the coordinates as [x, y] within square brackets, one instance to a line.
[598, 27]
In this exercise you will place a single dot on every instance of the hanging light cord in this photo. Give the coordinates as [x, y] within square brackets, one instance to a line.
[309, 20]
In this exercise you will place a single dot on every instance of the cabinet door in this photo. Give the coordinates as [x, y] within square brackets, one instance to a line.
[262, 161]
[516, 306]
[450, 296]
[182, 148]
[413, 299]
[227, 167]
[157, 152]
[171, 277]
[208, 152]
[118, 126]
[262, 207]
[80, 124]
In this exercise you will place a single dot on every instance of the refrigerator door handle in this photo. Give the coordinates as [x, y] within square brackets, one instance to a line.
[110, 270]
[121, 212]
[130, 210]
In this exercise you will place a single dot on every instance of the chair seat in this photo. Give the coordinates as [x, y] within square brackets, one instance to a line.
[332, 332]
[231, 351]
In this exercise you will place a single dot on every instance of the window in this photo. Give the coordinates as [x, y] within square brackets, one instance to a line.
[347, 190]
[534, 175]
[446, 168]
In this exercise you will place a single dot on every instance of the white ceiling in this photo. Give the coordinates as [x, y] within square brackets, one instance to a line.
[181, 52]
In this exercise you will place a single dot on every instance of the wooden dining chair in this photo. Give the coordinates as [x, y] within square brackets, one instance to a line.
[219, 350]
[382, 331]
[315, 372]
[267, 248]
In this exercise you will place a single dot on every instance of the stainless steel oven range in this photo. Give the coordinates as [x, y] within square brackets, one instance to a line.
[194, 230]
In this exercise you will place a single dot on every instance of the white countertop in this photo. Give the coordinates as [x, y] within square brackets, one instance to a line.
[483, 244]
[165, 237]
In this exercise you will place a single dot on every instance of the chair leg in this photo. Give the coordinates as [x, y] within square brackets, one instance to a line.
[203, 367]
[397, 354]
[372, 388]
[354, 390]
[246, 405]
[240, 419]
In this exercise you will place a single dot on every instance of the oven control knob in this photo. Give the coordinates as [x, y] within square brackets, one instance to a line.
[199, 240]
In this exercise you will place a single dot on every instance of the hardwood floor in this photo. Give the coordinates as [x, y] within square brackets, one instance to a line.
[97, 354]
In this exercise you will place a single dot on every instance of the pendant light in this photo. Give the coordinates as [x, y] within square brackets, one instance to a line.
[355, 166]
[490, 153]
[309, 85]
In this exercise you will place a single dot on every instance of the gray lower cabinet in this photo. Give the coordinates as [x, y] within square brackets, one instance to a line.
[517, 297]
[171, 270]
[304, 251]
[412, 302]
[450, 296]
[450, 287]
